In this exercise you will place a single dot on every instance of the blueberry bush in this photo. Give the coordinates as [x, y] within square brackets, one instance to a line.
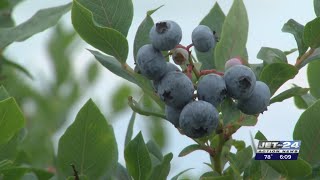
[207, 90]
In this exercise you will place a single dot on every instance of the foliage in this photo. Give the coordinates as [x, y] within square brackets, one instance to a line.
[88, 149]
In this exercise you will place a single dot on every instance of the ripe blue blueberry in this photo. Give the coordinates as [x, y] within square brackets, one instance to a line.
[212, 89]
[258, 101]
[151, 62]
[175, 89]
[232, 62]
[203, 38]
[165, 35]
[170, 67]
[240, 81]
[198, 119]
[172, 115]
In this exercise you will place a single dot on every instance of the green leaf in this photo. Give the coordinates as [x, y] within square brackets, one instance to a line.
[189, 149]
[6, 62]
[3, 93]
[12, 119]
[316, 4]
[13, 173]
[260, 136]
[116, 68]
[304, 101]
[112, 14]
[296, 29]
[276, 74]
[130, 129]
[241, 160]
[92, 71]
[105, 39]
[246, 120]
[59, 46]
[121, 173]
[239, 145]
[142, 35]
[119, 98]
[214, 20]
[290, 51]
[161, 171]
[271, 55]
[313, 78]
[225, 177]
[297, 168]
[257, 69]
[4, 164]
[234, 35]
[137, 158]
[307, 130]
[230, 112]
[145, 110]
[179, 174]
[154, 149]
[295, 91]
[89, 143]
[41, 21]
[17, 172]
[6, 8]
[253, 171]
[10, 149]
[311, 34]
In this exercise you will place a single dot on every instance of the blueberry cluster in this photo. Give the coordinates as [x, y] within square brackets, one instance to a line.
[196, 114]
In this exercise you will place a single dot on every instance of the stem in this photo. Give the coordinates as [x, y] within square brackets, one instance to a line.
[304, 57]
[205, 72]
[194, 69]
[127, 68]
[217, 156]
[189, 46]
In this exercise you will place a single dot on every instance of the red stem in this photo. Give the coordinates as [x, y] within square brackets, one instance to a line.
[205, 72]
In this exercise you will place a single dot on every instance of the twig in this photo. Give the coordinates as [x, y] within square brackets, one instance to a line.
[75, 172]
[304, 57]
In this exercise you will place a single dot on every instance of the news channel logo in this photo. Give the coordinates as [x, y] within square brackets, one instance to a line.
[278, 150]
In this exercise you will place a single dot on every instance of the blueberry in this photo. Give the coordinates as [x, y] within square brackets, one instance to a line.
[212, 89]
[258, 101]
[151, 62]
[173, 115]
[171, 67]
[203, 38]
[165, 35]
[232, 62]
[240, 81]
[198, 119]
[175, 89]
[180, 55]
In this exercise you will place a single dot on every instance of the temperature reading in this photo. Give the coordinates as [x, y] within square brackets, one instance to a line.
[278, 150]
[267, 156]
